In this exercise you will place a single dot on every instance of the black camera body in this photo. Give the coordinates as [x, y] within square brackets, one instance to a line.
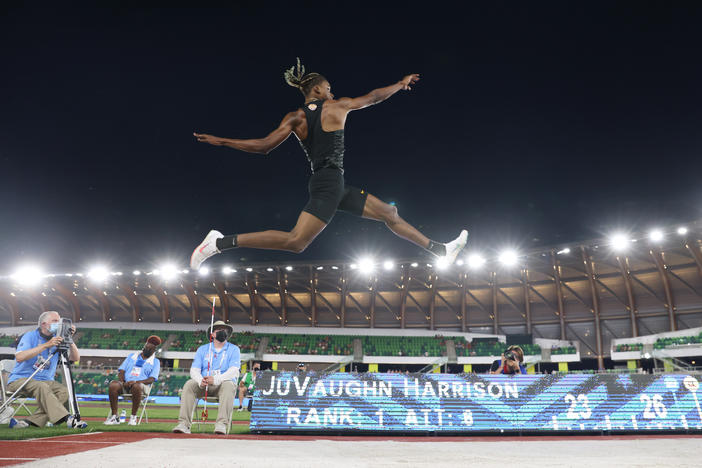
[64, 331]
[510, 356]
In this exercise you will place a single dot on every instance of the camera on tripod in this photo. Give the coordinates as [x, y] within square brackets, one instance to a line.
[65, 332]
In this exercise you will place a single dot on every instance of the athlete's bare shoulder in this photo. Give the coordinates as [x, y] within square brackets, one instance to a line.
[297, 114]
[298, 123]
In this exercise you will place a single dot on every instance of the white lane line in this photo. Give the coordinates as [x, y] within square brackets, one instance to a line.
[48, 439]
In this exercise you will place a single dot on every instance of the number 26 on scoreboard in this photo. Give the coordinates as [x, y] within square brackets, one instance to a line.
[655, 403]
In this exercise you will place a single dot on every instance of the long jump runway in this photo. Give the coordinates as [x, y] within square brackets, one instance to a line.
[115, 449]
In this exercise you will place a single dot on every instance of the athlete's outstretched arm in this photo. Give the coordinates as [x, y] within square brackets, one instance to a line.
[259, 145]
[380, 94]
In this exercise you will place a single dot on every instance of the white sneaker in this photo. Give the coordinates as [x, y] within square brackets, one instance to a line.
[220, 429]
[205, 250]
[181, 429]
[74, 423]
[241, 408]
[18, 424]
[112, 420]
[454, 247]
[132, 420]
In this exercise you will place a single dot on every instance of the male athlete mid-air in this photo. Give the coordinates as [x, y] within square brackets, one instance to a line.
[319, 126]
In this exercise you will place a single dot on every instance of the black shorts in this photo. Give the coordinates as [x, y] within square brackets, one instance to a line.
[329, 193]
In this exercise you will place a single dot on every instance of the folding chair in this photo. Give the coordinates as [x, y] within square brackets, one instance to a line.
[6, 366]
[143, 403]
[210, 399]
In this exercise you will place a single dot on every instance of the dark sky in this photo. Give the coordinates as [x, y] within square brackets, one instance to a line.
[534, 123]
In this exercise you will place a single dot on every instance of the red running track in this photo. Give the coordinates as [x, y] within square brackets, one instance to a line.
[22, 451]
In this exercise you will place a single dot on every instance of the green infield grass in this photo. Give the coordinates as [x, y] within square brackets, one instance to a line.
[100, 410]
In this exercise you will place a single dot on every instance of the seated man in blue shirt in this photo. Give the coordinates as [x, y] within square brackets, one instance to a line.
[33, 350]
[138, 370]
[224, 362]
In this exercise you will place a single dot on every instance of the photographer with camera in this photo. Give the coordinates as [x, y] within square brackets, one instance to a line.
[510, 363]
[36, 351]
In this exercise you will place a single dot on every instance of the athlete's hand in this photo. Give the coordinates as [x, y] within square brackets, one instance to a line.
[409, 80]
[205, 138]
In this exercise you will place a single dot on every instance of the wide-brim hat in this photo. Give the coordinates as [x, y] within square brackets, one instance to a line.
[220, 323]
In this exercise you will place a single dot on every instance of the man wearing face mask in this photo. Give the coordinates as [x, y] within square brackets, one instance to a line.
[137, 370]
[33, 350]
[224, 361]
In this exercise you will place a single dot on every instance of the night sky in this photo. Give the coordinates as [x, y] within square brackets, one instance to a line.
[534, 124]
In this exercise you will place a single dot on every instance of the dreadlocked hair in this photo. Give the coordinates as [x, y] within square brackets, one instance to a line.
[295, 76]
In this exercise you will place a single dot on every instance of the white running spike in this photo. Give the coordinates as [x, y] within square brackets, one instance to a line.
[206, 249]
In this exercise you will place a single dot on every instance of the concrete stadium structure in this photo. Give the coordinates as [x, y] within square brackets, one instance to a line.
[589, 293]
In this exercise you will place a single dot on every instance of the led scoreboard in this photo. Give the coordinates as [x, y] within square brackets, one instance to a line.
[285, 401]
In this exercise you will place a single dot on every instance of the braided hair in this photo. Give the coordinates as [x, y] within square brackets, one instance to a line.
[297, 78]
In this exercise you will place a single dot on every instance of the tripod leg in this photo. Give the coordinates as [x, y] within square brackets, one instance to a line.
[68, 376]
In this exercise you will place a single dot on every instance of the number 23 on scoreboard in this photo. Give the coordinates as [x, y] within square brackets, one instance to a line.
[575, 402]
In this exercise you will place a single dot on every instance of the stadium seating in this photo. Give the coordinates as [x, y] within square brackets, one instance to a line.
[340, 345]
[564, 350]
[404, 346]
[663, 343]
[110, 338]
[466, 348]
[626, 347]
[97, 382]
[8, 340]
[412, 346]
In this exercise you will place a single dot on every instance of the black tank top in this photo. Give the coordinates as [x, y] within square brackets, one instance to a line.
[323, 149]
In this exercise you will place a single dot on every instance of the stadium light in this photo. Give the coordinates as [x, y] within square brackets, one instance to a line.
[227, 270]
[289, 268]
[388, 265]
[563, 251]
[28, 275]
[366, 265]
[249, 269]
[442, 263]
[169, 271]
[269, 269]
[459, 262]
[203, 271]
[475, 261]
[656, 235]
[320, 268]
[414, 264]
[682, 230]
[508, 257]
[98, 273]
[353, 266]
[619, 242]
